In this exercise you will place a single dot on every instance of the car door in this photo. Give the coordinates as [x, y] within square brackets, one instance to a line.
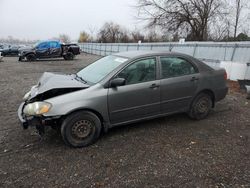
[139, 97]
[8, 51]
[55, 49]
[14, 50]
[179, 81]
[42, 50]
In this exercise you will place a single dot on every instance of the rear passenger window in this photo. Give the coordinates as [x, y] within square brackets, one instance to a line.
[54, 45]
[174, 66]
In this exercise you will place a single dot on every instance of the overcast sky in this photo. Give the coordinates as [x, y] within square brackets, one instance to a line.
[44, 19]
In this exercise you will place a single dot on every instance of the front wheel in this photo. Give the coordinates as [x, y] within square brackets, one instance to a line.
[69, 56]
[30, 57]
[201, 106]
[81, 129]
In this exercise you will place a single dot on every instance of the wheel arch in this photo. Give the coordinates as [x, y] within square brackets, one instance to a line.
[70, 49]
[29, 53]
[209, 92]
[98, 114]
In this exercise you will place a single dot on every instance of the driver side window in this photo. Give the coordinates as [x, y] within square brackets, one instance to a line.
[140, 71]
[43, 45]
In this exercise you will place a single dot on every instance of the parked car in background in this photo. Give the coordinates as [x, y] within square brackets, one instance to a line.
[120, 89]
[10, 50]
[49, 49]
[1, 57]
[1, 46]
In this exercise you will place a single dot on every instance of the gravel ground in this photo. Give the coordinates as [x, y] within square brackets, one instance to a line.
[166, 152]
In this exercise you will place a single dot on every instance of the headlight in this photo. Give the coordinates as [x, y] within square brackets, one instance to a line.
[37, 108]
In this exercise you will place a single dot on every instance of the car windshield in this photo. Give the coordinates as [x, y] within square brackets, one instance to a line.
[96, 71]
[36, 44]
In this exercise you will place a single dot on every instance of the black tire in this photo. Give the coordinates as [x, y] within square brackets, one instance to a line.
[201, 106]
[31, 57]
[69, 56]
[81, 129]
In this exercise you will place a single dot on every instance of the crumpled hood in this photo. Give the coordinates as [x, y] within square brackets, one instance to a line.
[50, 81]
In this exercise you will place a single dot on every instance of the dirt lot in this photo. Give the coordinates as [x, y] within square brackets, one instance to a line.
[167, 152]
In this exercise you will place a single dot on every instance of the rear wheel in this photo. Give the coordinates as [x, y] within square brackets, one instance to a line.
[31, 57]
[69, 56]
[81, 129]
[201, 106]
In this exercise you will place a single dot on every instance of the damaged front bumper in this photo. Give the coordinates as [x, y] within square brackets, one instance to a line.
[23, 121]
[40, 122]
[20, 57]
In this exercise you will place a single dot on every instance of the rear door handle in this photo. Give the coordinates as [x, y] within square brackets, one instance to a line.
[194, 79]
[153, 86]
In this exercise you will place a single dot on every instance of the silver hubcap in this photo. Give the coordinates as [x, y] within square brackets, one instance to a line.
[82, 129]
[203, 105]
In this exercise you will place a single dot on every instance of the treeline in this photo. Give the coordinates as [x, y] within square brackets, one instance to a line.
[194, 20]
[112, 32]
[11, 40]
[171, 20]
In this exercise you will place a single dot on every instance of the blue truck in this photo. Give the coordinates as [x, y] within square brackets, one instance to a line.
[49, 49]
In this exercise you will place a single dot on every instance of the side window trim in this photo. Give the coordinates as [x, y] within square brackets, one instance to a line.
[176, 56]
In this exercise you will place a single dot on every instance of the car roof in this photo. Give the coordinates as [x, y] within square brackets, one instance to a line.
[144, 53]
[48, 41]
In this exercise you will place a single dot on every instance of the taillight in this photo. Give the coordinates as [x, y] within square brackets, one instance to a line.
[225, 75]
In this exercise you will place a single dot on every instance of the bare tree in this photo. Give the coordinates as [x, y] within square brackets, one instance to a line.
[12, 40]
[189, 17]
[84, 37]
[64, 38]
[239, 14]
[111, 32]
[92, 31]
[153, 36]
[137, 36]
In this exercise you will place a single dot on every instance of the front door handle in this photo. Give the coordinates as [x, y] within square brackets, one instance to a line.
[153, 86]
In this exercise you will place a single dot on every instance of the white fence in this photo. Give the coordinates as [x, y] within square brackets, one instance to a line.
[231, 51]
[233, 56]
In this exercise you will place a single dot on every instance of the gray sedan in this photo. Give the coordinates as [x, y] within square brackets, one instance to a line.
[120, 89]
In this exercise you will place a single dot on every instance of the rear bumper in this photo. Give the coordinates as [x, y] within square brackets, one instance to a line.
[221, 93]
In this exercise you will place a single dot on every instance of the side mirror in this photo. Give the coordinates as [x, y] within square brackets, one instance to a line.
[117, 82]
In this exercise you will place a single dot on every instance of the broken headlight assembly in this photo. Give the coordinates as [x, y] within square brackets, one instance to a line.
[27, 95]
[37, 108]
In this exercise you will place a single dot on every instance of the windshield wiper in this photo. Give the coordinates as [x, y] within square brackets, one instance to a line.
[79, 78]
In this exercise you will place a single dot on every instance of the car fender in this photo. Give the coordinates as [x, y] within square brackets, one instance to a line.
[28, 53]
[93, 98]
